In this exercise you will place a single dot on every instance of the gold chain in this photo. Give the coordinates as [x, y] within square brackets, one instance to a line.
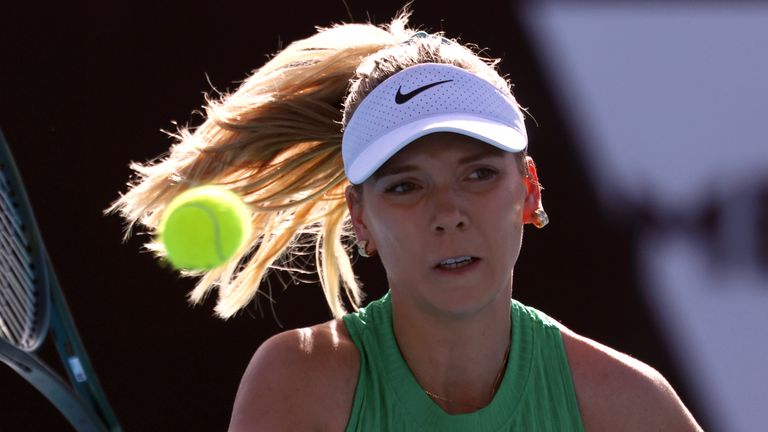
[494, 388]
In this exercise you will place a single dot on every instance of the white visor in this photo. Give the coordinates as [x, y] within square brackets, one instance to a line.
[425, 99]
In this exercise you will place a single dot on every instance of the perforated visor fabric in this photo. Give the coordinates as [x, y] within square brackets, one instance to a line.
[425, 99]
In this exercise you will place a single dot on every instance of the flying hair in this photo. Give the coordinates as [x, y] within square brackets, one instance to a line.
[276, 141]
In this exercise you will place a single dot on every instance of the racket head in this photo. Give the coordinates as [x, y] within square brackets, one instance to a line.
[24, 289]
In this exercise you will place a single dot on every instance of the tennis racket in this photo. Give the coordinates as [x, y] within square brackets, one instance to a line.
[31, 304]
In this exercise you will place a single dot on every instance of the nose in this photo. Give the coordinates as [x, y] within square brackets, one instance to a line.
[449, 213]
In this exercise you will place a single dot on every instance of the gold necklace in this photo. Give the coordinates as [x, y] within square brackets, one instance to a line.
[494, 388]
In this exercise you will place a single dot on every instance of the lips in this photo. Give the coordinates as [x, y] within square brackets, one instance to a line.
[454, 263]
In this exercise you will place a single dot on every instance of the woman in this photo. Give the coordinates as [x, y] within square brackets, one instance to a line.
[431, 170]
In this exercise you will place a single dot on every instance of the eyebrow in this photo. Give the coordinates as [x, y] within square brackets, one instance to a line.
[386, 171]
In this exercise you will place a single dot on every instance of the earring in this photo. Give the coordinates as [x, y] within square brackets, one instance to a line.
[362, 249]
[540, 218]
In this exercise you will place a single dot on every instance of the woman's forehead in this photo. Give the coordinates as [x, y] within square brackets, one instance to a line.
[444, 143]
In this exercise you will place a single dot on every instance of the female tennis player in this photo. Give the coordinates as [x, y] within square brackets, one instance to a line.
[427, 164]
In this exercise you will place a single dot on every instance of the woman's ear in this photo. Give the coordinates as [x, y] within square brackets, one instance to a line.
[356, 214]
[533, 210]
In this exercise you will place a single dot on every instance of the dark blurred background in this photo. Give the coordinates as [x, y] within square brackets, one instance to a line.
[87, 87]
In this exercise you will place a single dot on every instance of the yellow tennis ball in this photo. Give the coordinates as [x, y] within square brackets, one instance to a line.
[204, 227]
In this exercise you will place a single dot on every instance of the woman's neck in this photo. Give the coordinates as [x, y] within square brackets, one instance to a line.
[458, 360]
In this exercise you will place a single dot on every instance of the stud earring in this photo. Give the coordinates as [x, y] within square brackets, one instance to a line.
[362, 249]
[540, 218]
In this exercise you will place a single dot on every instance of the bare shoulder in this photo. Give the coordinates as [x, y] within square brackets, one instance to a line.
[619, 393]
[301, 379]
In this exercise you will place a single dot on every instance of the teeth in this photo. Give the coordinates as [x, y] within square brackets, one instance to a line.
[455, 260]
[453, 263]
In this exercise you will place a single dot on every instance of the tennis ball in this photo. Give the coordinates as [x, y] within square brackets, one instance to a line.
[204, 227]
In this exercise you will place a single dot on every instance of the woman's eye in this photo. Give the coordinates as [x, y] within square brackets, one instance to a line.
[401, 188]
[482, 174]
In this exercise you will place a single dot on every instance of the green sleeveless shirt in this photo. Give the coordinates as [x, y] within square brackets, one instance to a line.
[536, 392]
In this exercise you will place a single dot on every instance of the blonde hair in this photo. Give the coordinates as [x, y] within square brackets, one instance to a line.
[276, 141]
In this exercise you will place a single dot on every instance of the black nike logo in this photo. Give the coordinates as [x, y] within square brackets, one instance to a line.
[401, 98]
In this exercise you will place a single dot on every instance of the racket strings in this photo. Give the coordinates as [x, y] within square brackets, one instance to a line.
[18, 302]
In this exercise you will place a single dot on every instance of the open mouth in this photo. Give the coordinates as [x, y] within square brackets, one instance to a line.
[455, 263]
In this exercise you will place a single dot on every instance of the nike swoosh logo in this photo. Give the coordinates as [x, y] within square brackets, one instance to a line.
[401, 98]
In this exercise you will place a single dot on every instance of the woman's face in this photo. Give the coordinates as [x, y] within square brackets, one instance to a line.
[445, 215]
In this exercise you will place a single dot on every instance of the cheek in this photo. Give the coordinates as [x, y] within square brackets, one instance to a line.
[390, 229]
[398, 241]
[508, 204]
[503, 220]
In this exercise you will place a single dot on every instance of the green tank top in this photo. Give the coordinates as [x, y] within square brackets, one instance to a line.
[536, 392]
